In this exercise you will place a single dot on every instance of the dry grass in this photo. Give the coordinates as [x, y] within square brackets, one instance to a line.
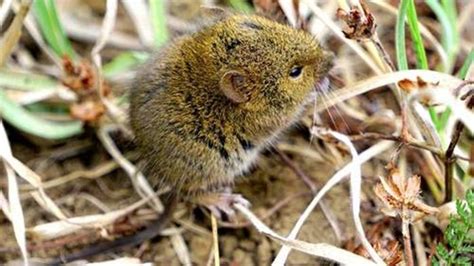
[381, 117]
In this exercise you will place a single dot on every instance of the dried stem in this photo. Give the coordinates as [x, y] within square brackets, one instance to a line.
[306, 179]
[326, 210]
[406, 237]
[11, 37]
[450, 159]
[415, 144]
[215, 240]
[462, 85]
[268, 213]
[383, 53]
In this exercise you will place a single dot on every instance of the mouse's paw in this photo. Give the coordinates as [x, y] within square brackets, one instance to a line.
[223, 204]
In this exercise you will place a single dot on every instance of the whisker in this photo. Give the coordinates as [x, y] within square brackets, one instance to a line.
[338, 111]
[325, 100]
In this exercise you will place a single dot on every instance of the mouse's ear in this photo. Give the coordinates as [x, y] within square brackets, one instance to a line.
[233, 86]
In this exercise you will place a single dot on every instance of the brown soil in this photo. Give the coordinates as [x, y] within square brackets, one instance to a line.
[268, 183]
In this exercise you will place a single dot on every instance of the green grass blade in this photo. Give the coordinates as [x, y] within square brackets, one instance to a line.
[449, 7]
[434, 116]
[450, 38]
[466, 65]
[418, 46]
[158, 20]
[241, 5]
[17, 116]
[26, 81]
[48, 108]
[124, 62]
[400, 48]
[48, 20]
[443, 120]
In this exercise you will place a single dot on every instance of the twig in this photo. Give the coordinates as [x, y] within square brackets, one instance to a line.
[89, 32]
[267, 214]
[93, 173]
[419, 247]
[450, 159]
[383, 53]
[326, 210]
[6, 5]
[322, 250]
[180, 248]
[438, 79]
[33, 30]
[462, 85]
[306, 179]
[11, 37]
[374, 38]
[140, 15]
[406, 237]
[430, 176]
[412, 143]
[108, 23]
[432, 251]
[15, 208]
[125, 227]
[215, 240]
[141, 184]
[353, 169]
[388, 65]
[74, 224]
[320, 14]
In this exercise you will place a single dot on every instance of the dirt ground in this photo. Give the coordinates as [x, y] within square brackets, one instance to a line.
[269, 182]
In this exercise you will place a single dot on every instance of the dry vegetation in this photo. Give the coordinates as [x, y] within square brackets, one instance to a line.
[384, 153]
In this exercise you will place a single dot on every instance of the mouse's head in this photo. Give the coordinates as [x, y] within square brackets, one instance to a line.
[264, 65]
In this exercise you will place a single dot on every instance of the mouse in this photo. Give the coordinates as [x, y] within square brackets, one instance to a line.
[207, 104]
[204, 107]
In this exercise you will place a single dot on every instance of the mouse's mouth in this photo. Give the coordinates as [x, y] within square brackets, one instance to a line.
[321, 87]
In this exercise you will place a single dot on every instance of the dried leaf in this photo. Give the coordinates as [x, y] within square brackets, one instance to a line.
[420, 206]
[320, 249]
[360, 26]
[389, 249]
[421, 83]
[397, 182]
[412, 188]
[445, 212]
[388, 199]
[88, 111]
[392, 253]
[79, 77]
[390, 188]
[82, 79]
[400, 195]
[15, 208]
[406, 85]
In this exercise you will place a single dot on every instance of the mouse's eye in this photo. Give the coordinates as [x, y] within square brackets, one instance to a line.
[296, 71]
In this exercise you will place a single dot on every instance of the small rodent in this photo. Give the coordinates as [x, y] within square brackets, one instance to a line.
[205, 106]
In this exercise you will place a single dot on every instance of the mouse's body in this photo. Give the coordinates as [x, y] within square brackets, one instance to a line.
[206, 105]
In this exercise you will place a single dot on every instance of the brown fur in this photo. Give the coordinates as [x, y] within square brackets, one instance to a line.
[195, 139]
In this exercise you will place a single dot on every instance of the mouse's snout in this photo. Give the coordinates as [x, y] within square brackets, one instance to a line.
[327, 62]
